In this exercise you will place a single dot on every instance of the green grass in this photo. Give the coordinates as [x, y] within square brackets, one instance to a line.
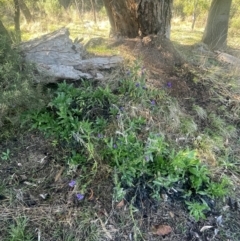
[18, 230]
[18, 92]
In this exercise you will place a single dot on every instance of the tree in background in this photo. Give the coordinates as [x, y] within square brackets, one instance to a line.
[216, 30]
[94, 10]
[131, 18]
[149, 20]
[198, 6]
[190, 8]
[65, 3]
[25, 11]
[17, 20]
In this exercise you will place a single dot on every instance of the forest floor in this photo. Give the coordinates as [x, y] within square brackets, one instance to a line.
[36, 196]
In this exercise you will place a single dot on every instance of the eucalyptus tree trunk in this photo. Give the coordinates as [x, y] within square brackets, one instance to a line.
[64, 3]
[94, 11]
[25, 11]
[216, 30]
[132, 18]
[17, 20]
[149, 19]
[194, 13]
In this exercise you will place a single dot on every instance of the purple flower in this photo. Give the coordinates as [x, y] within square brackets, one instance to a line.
[100, 135]
[146, 158]
[114, 146]
[128, 72]
[169, 85]
[80, 196]
[137, 84]
[153, 102]
[121, 109]
[72, 183]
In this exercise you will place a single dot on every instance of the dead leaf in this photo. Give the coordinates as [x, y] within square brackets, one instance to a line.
[164, 197]
[226, 143]
[194, 234]
[171, 214]
[225, 208]
[59, 174]
[30, 184]
[120, 204]
[91, 195]
[219, 220]
[205, 228]
[23, 177]
[44, 195]
[216, 231]
[162, 229]
[113, 229]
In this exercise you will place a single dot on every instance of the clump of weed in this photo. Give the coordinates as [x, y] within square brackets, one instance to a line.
[76, 119]
[18, 231]
[163, 170]
[17, 91]
[94, 125]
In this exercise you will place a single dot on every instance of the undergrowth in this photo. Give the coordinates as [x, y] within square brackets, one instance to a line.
[95, 125]
[18, 93]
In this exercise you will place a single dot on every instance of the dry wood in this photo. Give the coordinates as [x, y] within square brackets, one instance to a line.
[227, 58]
[55, 55]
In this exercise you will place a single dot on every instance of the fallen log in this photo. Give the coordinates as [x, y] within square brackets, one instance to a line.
[56, 56]
[229, 59]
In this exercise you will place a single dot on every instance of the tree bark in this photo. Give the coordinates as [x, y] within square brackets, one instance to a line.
[149, 19]
[65, 3]
[194, 13]
[94, 11]
[25, 11]
[110, 15]
[131, 18]
[17, 20]
[216, 30]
